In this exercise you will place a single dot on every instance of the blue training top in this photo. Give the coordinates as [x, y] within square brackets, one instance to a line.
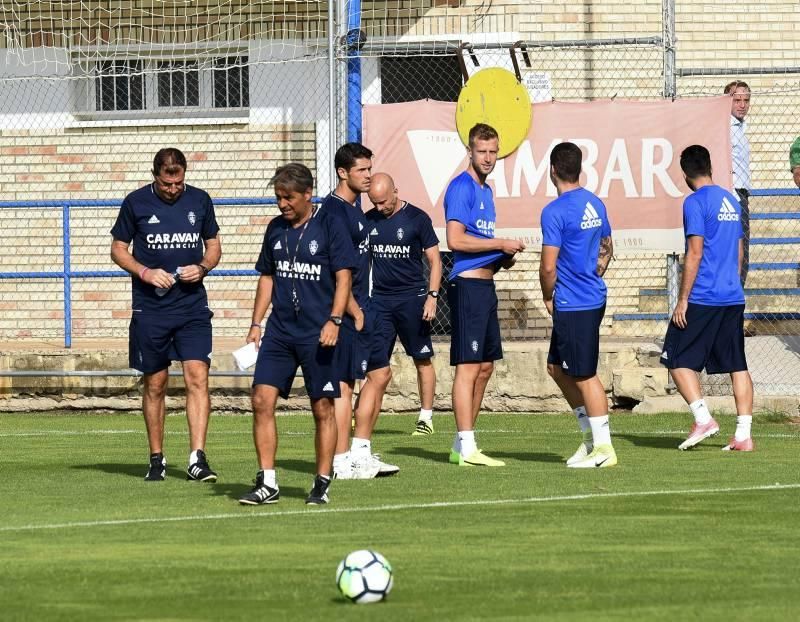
[575, 222]
[714, 214]
[167, 235]
[472, 205]
[397, 245]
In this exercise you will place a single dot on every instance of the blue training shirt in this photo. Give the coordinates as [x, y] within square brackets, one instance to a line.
[306, 258]
[397, 245]
[714, 214]
[575, 222]
[471, 204]
[167, 235]
[356, 224]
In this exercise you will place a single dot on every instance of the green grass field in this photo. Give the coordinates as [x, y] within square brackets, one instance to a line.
[665, 535]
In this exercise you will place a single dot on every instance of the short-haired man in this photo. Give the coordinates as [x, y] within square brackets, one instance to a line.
[740, 157]
[707, 327]
[477, 255]
[402, 302]
[175, 245]
[794, 161]
[305, 265]
[353, 162]
[576, 250]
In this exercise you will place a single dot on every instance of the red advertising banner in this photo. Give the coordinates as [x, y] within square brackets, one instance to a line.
[631, 161]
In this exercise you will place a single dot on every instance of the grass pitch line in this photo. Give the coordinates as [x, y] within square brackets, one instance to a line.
[397, 507]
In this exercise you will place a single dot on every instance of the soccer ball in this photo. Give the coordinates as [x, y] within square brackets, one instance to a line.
[364, 577]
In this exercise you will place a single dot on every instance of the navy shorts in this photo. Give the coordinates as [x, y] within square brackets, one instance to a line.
[154, 341]
[712, 340]
[575, 342]
[353, 349]
[394, 317]
[474, 323]
[278, 361]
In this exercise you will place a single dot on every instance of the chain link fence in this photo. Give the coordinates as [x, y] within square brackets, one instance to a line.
[90, 93]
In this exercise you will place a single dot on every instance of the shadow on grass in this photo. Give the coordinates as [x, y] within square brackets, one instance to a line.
[138, 470]
[656, 442]
[419, 452]
[526, 456]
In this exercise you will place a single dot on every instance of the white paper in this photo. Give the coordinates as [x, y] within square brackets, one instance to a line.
[245, 356]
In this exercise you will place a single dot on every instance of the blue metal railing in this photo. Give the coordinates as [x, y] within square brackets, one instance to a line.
[67, 274]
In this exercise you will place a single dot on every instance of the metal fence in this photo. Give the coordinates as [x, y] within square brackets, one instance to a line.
[88, 95]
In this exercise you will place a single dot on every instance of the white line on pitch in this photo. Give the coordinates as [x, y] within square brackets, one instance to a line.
[397, 507]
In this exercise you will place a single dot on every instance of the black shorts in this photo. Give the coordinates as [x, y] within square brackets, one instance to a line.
[278, 361]
[394, 317]
[473, 319]
[353, 349]
[575, 342]
[712, 340]
[154, 341]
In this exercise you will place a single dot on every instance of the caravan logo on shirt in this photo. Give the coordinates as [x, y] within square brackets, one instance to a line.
[727, 212]
[590, 218]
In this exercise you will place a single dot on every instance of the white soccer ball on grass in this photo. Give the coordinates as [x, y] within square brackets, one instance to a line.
[364, 577]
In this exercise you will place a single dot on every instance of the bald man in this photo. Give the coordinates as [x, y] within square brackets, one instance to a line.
[402, 302]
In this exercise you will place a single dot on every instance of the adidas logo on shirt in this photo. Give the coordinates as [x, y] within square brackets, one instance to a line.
[277, 246]
[727, 211]
[153, 220]
[360, 227]
[564, 365]
[374, 232]
[590, 218]
[425, 350]
[664, 355]
[328, 387]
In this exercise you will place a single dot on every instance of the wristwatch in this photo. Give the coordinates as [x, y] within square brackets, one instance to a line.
[433, 293]
[336, 319]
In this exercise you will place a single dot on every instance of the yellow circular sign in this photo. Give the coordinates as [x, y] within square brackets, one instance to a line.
[495, 97]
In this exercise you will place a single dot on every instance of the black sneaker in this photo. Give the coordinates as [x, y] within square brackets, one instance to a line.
[200, 471]
[157, 470]
[261, 493]
[319, 492]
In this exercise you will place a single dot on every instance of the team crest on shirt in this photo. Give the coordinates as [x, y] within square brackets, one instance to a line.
[400, 233]
[474, 346]
[192, 218]
[313, 247]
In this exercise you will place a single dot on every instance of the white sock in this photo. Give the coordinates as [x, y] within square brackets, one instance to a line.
[601, 432]
[425, 415]
[743, 423]
[360, 447]
[700, 412]
[583, 418]
[193, 457]
[467, 442]
[269, 478]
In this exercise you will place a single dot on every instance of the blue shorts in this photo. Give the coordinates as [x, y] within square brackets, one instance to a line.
[575, 342]
[394, 317]
[278, 361]
[353, 350]
[473, 320]
[154, 341]
[712, 340]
